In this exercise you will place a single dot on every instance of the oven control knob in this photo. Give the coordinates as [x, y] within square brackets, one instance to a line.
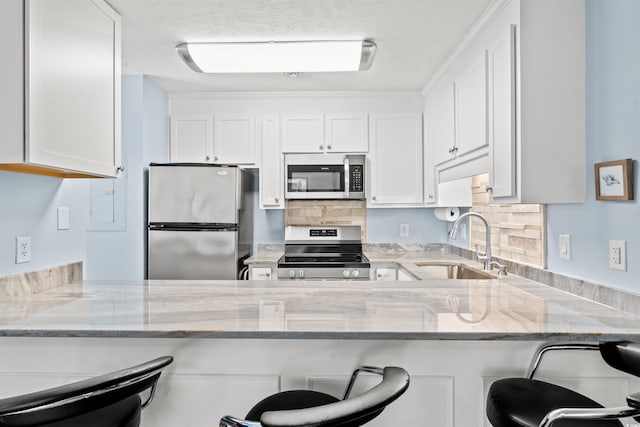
[292, 274]
[355, 273]
[345, 273]
[301, 274]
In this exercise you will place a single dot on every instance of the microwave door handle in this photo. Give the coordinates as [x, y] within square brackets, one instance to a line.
[346, 177]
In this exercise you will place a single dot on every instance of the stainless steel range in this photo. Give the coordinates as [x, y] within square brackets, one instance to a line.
[323, 253]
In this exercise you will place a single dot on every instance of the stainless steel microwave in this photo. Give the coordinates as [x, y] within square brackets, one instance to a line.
[324, 176]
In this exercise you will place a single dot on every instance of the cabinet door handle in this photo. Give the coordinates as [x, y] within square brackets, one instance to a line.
[329, 147]
[120, 168]
[430, 196]
[277, 199]
[321, 146]
[267, 274]
[488, 189]
[216, 158]
[208, 158]
[374, 198]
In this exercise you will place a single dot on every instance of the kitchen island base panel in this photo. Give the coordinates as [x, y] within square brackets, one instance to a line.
[214, 377]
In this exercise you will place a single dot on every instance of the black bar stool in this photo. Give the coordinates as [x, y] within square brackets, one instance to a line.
[110, 400]
[526, 402]
[299, 408]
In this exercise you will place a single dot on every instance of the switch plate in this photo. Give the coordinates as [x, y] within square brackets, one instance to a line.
[565, 246]
[404, 230]
[23, 249]
[618, 254]
[63, 218]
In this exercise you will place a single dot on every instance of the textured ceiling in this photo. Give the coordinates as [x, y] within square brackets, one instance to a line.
[413, 38]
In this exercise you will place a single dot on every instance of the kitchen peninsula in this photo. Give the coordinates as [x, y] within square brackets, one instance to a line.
[236, 341]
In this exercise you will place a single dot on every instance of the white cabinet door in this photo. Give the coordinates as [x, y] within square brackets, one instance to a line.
[440, 126]
[72, 86]
[346, 133]
[303, 134]
[395, 160]
[234, 139]
[471, 108]
[261, 273]
[271, 168]
[502, 116]
[192, 138]
[386, 273]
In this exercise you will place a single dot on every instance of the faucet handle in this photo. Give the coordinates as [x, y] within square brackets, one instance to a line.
[481, 257]
[502, 269]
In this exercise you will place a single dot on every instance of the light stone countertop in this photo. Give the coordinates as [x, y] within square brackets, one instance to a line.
[506, 308]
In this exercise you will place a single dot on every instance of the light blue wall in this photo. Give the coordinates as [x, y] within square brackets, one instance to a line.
[28, 207]
[383, 226]
[613, 132]
[144, 140]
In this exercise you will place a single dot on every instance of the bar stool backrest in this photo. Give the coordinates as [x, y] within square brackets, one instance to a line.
[82, 397]
[622, 355]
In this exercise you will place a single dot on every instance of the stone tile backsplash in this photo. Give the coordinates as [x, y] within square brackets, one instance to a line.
[517, 231]
[327, 212]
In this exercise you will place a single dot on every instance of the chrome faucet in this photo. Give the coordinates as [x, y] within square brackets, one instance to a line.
[486, 257]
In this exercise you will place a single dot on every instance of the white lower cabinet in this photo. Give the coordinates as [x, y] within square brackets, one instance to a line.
[385, 273]
[262, 273]
[60, 103]
[391, 274]
[213, 377]
[395, 160]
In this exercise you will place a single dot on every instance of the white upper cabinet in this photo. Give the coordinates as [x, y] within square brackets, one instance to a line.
[191, 138]
[234, 139]
[395, 160]
[221, 139]
[60, 108]
[502, 62]
[519, 102]
[303, 134]
[538, 122]
[346, 133]
[456, 117]
[271, 167]
[471, 108]
[440, 125]
[331, 133]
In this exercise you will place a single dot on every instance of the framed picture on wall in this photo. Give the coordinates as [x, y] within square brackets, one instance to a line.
[614, 180]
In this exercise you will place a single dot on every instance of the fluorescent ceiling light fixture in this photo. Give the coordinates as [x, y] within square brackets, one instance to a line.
[277, 57]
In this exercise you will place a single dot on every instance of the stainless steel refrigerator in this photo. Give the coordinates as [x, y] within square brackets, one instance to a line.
[200, 221]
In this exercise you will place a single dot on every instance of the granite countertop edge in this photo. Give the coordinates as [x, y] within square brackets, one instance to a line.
[327, 335]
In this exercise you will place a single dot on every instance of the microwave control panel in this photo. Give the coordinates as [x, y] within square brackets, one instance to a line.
[356, 179]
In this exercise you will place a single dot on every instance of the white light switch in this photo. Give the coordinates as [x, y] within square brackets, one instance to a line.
[565, 246]
[63, 218]
[618, 254]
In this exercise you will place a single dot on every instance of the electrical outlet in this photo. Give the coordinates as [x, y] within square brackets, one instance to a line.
[618, 254]
[404, 230]
[23, 249]
[565, 246]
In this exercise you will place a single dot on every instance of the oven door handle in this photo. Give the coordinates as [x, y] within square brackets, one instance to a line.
[346, 177]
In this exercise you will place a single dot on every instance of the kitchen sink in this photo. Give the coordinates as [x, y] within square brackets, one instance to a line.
[451, 270]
